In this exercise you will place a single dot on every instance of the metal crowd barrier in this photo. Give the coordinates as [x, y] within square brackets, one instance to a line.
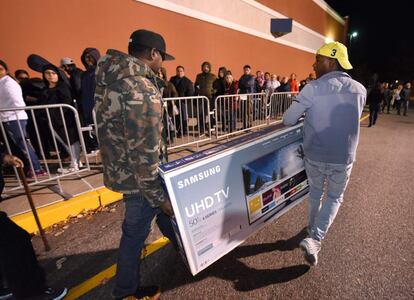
[278, 104]
[47, 126]
[189, 121]
[238, 113]
[232, 114]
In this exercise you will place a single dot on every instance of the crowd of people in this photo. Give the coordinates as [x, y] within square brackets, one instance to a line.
[131, 143]
[64, 84]
[385, 97]
[68, 84]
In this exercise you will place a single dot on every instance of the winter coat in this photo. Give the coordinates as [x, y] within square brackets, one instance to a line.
[129, 116]
[183, 85]
[88, 84]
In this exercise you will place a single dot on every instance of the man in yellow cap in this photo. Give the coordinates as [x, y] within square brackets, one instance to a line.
[332, 104]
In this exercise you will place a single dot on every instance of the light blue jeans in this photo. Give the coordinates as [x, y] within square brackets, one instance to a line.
[336, 177]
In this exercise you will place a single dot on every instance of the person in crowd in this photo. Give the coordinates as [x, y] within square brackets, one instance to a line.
[247, 81]
[396, 98]
[21, 75]
[185, 88]
[58, 92]
[302, 84]
[293, 83]
[89, 59]
[375, 98]
[311, 77]
[386, 97]
[20, 269]
[131, 152]
[329, 150]
[203, 86]
[405, 97]
[274, 83]
[260, 82]
[15, 122]
[247, 85]
[75, 76]
[284, 85]
[231, 105]
[32, 88]
[218, 84]
[168, 90]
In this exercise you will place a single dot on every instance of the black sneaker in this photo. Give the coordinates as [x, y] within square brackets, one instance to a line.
[151, 292]
[52, 294]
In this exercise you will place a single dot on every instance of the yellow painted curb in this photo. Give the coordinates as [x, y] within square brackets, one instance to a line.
[107, 196]
[55, 213]
[102, 277]
[364, 118]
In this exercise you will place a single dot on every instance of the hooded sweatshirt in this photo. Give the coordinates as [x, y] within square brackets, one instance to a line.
[88, 85]
[128, 113]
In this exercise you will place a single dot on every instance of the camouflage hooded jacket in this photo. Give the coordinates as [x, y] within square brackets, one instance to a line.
[128, 112]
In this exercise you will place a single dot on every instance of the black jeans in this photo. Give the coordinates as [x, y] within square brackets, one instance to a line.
[373, 114]
[21, 270]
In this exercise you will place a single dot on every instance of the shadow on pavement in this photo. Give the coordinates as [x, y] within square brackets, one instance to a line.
[244, 278]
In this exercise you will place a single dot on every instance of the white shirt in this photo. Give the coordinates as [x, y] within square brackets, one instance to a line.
[11, 96]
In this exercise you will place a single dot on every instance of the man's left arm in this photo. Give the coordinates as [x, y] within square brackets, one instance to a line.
[299, 106]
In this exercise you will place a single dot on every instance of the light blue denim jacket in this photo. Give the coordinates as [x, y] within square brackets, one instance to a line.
[332, 105]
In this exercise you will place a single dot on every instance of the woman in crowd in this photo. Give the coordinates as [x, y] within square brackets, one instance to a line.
[230, 107]
[15, 122]
[58, 92]
[294, 86]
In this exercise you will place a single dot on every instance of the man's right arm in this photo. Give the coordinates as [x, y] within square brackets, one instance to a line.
[299, 106]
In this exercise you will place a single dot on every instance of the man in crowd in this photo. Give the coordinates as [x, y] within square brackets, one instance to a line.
[405, 97]
[247, 85]
[203, 86]
[185, 88]
[75, 76]
[89, 59]
[131, 146]
[332, 105]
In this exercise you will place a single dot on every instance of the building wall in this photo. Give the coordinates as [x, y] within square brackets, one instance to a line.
[53, 30]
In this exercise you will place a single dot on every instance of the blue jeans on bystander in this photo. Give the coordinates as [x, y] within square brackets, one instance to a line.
[17, 133]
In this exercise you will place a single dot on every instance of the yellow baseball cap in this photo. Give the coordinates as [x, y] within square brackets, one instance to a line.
[338, 51]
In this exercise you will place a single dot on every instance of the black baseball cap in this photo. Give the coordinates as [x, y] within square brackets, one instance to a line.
[151, 40]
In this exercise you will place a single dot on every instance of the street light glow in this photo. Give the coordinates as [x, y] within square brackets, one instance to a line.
[354, 34]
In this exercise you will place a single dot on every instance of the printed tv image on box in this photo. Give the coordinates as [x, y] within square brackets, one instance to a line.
[274, 180]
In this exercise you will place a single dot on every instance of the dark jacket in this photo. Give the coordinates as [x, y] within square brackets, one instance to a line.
[375, 97]
[60, 94]
[405, 94]
[76, 83]
[247, 84]
[32, 87]
[184, 86]
[283, 88]
[88, 83]
[203, 85]
[218, 84]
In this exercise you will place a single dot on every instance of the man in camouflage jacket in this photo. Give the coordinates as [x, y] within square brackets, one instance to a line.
[128, 110]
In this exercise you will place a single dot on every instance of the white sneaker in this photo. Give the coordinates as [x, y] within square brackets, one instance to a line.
[311, 248]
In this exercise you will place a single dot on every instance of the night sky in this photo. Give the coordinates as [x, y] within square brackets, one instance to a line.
[385, 42]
